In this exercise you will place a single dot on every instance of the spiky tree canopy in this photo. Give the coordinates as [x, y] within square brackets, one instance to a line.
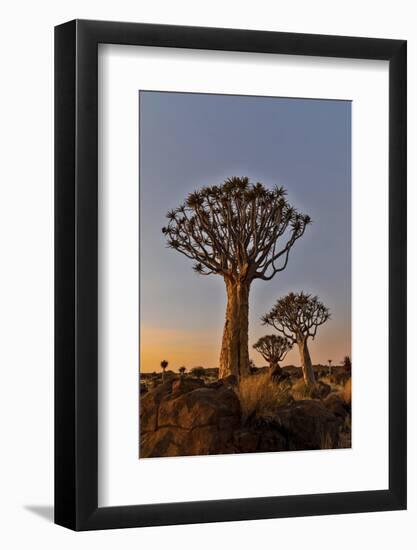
[347, 362]
[297, 316]
[164, 364]
[273, 348]
[198, 371]
[239, 229]
[182, 370]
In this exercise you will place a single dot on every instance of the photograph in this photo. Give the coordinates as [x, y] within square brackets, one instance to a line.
[205, 222]
[245, 274]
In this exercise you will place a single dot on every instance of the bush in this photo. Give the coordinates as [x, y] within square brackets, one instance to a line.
[198, 372]
[260, 396]
[300, 391]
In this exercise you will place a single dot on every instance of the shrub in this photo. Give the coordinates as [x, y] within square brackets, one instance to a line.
[260, 396]
[300, 391]
[347, 363]
[326, 441]
[198, 372]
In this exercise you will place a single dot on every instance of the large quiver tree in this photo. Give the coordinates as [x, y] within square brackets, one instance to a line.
[297, 317]
[240, 231]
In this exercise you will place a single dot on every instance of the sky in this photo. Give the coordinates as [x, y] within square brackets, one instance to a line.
[187, 141]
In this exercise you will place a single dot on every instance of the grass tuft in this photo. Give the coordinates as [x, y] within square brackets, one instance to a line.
[300, 391]
[260, 396]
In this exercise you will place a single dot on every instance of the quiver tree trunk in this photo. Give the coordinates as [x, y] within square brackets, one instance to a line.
[234, 355]
[274, 366]
[308, 372]
[275, 371]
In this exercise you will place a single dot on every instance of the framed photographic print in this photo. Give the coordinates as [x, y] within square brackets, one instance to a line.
[230, 244]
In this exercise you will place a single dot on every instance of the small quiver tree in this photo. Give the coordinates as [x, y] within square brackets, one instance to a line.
[164, 365]
[242, 232]
[273, 349]
[182, 371]
[347, 363]
[198, 372]
[329, 361]
[297, 317]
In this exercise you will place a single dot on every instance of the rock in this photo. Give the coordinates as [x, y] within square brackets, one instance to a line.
[149, 404]
[307, 424]
[335, 404]
[163, 442]
[184, 418]
[184, 385]
[246, 440]
[320, 390]
[272, 440]
[143, 388]
[199, 407]
[260, 436]
[229, 381]
[215, 385]
[278, 374]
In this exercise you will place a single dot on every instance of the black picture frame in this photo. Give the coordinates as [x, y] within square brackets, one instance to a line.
[76, 272]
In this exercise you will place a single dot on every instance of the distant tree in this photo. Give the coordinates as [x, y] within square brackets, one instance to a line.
[198, 372]
[241, 231]
[252, 366]
[182, 371]
[273, 349]
[329, 361]
[347, 363]
[164, 365]
[297, 317]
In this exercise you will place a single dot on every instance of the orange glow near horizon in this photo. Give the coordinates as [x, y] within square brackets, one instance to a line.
[202, 348]
[178, 347]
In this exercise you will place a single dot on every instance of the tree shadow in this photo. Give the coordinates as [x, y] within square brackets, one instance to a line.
[45, 512]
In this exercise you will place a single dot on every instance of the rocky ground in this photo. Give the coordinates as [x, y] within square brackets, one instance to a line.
[184, 416]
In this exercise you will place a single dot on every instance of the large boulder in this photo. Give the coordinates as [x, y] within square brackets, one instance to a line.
[183, 417]
[149, 404]
[260, 439]
[184, 385]
[308, 425]
[320, 390]
[336, 404]
[199, 407]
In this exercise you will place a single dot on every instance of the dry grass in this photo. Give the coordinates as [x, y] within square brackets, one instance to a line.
[347, 392]
[345, 434]
[326, 441]
[300, 391]
[334, 387]
[259, 395]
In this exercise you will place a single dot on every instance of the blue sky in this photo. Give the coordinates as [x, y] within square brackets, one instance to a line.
[191, 140]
